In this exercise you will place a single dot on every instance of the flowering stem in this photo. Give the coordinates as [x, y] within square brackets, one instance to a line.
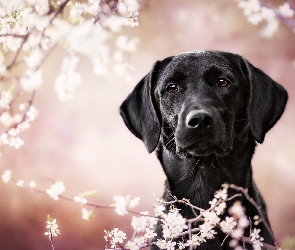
[265, 245]
[12, 62]
[245, 192]
[289, 23]
[51, 241]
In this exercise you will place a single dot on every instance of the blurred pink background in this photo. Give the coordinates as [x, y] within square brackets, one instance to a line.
[84, 143]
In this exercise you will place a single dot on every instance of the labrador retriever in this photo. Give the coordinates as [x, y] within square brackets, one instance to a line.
[203, 112]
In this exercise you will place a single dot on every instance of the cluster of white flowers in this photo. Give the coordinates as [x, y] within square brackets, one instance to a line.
[55, 190]
[6, 177]
[256, 239]
[116, 236]
[144, 231]
[68, 80]
[52, 227]
[32, 29]
[123, 203]
[15, 124]
[238, 225]
[257, 12]
[175, 228]
[173, 224]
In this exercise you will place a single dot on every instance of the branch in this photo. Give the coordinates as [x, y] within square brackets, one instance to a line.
[258, 208]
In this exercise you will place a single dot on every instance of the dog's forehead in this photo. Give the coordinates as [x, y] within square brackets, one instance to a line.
[192, 52]
[200, 56]
[194, 62]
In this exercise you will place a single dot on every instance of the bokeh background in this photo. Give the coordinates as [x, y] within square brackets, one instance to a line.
[84, 143]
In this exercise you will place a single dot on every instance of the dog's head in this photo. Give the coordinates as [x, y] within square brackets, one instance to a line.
[198, 100]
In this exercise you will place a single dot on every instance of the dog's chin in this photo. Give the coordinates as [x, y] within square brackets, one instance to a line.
[201, 148]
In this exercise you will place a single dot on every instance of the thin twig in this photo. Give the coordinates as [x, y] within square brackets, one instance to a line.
[51, 241]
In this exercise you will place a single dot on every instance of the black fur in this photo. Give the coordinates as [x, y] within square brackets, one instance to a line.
[204, 130]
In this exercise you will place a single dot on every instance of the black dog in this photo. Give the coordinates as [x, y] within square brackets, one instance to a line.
[203, 112]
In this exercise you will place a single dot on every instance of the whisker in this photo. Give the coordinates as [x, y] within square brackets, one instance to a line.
[212, 163]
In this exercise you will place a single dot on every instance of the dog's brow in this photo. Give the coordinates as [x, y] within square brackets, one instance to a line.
[225, 65]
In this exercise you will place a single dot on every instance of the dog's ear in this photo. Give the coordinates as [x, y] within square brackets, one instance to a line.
[267, 102]
[139, 111]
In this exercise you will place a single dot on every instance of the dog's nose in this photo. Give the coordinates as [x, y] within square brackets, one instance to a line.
[198, 119]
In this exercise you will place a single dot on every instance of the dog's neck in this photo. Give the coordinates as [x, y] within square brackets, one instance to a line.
[197, 178]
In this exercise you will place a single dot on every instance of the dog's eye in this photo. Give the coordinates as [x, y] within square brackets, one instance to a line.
[222, 82]
[172, 88]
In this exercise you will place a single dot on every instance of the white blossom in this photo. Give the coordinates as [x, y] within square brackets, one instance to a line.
[86, 214]
[131, 245]
[32, 184]
[257, 13]
[114, 23]
[163, 244]
[243, 221]
[207, 230]
[31, 113]
[237, 209]
[6, 176]
[124, 203]
[270, 28]
[173, 224]
[237, 233]
[139, 240]
[286, 10]
[221, 194]
[120, 205]
[159, 210]
[34, 59]
[80, 199]
[55, 190]
[20, 183]
[228, 224]
[31, 80]
[195, 241]
[5, 99]
[149, 234]
[52, 227]
[127, 45]
[220, 208]
[117, 236]
[68, 80]
[211, 217]
[134, 202]
[256, 239]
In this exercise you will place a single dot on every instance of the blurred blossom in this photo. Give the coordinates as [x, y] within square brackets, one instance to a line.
[86, 214]
[123, 203]
[6, 177]
[31, 80]
[80, 199]
[286, 10]
[68, 80]
[55, 190]
[32, 184]
[256, 11]
[32, 29]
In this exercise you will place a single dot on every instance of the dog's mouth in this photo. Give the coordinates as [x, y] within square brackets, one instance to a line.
[201, 148]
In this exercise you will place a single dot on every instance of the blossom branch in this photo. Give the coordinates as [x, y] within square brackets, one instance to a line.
[193, 232]
[30, 33]
[258, 208]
